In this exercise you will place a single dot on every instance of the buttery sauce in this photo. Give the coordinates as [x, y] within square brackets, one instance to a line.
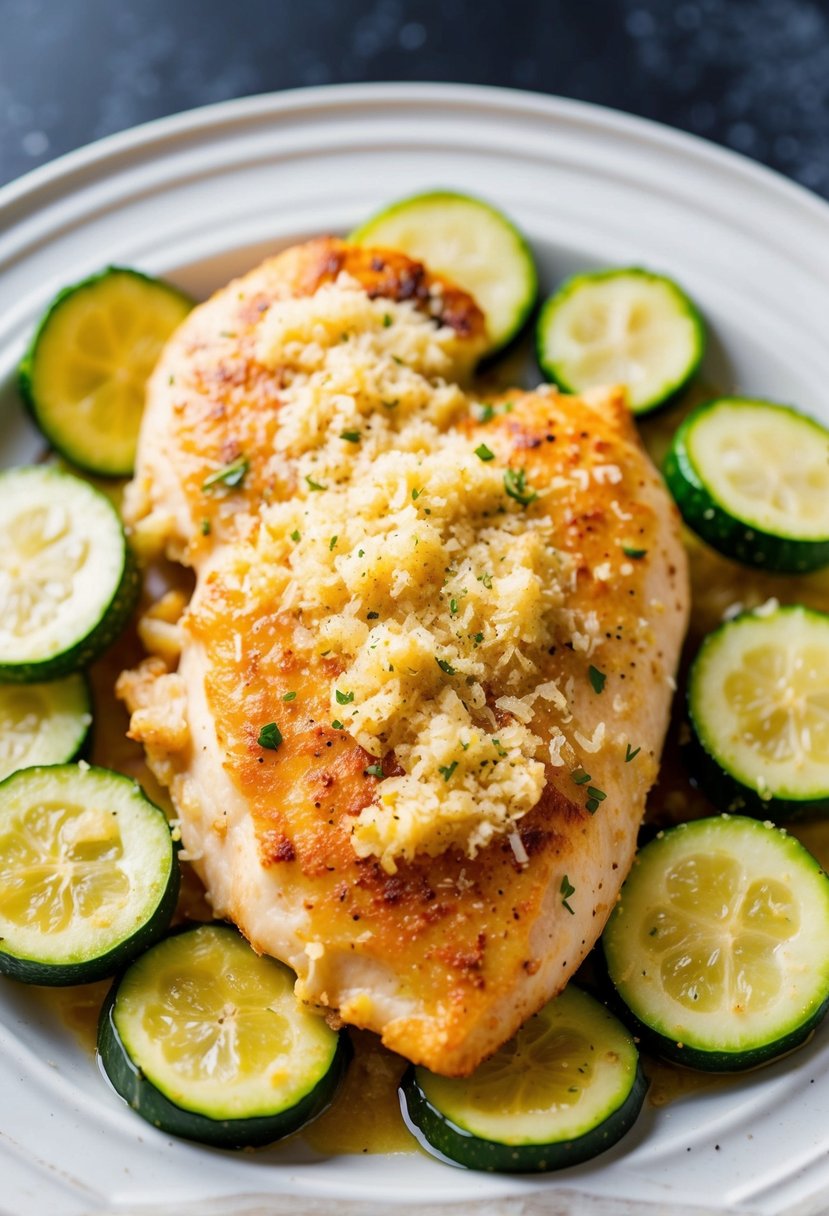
[365, 1116]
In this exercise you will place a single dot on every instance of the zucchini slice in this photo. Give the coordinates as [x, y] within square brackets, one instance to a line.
[68, 583]
[626, 327]
[43, 723]
[469, 242]
[84, 373]
[88, 874]
[752, 479]
[205, 1039]
[564, 1089]
[719, 945]
[758, 699]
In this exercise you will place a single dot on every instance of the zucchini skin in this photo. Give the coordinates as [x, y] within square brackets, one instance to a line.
[709, 773]
[151, 1104]
[456, 1146]
[114, 619]
[25, 370]
[732, 796]
[551, 371]
[732, 537]
[61, 975]
[698, 1058]
[654, 1036]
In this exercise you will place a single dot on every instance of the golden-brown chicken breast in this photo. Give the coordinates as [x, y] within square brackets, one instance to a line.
[426, 670]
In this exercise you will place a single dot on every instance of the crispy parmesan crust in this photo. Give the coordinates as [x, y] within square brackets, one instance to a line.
[446, 957]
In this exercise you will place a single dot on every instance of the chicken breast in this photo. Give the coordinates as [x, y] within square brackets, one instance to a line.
[426, 671]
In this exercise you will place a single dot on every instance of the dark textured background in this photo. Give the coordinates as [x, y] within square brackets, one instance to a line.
[751, 74]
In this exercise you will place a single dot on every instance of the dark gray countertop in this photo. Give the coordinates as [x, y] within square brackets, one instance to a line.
[751, 74]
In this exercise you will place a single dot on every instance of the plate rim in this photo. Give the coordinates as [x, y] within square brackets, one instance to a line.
[260, 106]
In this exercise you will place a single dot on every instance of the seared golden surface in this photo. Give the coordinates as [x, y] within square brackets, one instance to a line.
[447, 956]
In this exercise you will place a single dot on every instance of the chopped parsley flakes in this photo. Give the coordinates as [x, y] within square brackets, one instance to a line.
[631, 754]
[446, 770]
[515, 484]
[373, 770]
[597, 678]
[230, 475]
[566, 890]
[314, 485]
[343, 698]
[270, 736]
[446, 666]
[484, 453]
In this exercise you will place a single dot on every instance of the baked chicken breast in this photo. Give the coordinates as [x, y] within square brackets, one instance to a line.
[410, 716]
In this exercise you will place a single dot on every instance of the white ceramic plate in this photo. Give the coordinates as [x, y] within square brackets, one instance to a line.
[205, 195]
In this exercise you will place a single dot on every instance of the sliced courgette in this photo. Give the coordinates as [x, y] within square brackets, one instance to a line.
[205, 1039]
[43, 723]
[88, 874]
[719, 945]
[564, 1089]
[68, 583]
[84, 374]
[758, 699]
[469, 242]
[752, 479]
[626, 327]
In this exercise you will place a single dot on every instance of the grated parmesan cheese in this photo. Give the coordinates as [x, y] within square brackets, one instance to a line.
[400, 553]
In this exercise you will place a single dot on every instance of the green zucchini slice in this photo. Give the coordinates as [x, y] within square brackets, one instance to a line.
[469, 242]
[43, 723]
[758, 699]
[626, 327]
[205, 1039]
[88, 874]
[719, 945]
[84, 374]
[564, 1089]
[752, 479]
[68, 583]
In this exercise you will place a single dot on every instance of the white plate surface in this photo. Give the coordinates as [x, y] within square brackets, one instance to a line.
[205, 195]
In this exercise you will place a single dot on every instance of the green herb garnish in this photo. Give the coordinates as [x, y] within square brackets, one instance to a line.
[629, 551]
[631, 755]
[231, 475]
[446, 666]
[515, 484]
[314, 485]
[597, 678]
[289, 696]
[350, 436]
[447, 769]
[343, 698]
[270, 736]
[567, 889]
[373, 770]
[484, 453]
